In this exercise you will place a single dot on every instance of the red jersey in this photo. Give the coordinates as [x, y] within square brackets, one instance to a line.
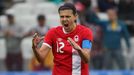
[67, 61]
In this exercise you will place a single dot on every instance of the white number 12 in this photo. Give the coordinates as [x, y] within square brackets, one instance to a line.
[59, 49]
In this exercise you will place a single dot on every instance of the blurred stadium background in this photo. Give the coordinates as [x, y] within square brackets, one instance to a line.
[26, 11]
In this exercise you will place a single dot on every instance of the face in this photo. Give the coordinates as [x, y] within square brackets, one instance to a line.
[11, 21]
[41, 22]
[67, 19]
[112, 14]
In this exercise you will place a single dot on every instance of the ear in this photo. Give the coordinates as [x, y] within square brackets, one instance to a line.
[76, 15]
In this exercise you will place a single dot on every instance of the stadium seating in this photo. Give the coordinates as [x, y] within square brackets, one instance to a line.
[2, 49]
[46, 8]
[53, 20]
[34, 1]
[33, 9]
[21, 9]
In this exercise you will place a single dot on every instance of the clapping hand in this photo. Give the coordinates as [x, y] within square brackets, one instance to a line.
[74, 44]
[36, 40]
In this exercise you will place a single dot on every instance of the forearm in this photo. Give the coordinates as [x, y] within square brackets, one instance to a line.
[84, 54]
[27, 34]
[38, 57]
[41, 53]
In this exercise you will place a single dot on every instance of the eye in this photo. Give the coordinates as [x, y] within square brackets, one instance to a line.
[68, 16]
[61, 16]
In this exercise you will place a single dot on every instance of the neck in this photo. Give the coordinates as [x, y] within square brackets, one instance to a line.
[113, 20]
[73, 27]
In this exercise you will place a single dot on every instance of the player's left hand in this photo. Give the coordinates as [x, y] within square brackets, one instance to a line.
[36, 40]
[74, 44]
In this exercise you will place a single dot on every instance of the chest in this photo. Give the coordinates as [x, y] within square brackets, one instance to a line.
[41, 30]
[117, 29]
[62, 46]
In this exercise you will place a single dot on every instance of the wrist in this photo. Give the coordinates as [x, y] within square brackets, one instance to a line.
[79, 48]
[34, 46]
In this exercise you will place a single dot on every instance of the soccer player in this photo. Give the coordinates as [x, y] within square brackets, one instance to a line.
[70, 44]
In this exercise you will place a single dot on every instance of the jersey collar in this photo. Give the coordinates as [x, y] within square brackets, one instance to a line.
[64, 31]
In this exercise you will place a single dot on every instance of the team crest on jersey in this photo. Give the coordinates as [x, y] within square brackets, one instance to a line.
[76, 38]
[59, 39]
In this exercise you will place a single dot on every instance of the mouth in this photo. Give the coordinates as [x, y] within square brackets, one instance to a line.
[66, 25]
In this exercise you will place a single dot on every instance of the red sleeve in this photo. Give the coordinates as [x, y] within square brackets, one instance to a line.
[49, 37]
[88, 35]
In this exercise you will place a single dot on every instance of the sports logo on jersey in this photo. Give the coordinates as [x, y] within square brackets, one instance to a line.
[59, 39]
[76, 38]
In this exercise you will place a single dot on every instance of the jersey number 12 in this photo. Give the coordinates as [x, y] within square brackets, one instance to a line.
[59, 49]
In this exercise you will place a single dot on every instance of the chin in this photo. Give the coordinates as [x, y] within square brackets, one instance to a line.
[67, 29]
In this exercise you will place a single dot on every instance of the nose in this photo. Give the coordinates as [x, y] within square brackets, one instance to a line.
[64, 19]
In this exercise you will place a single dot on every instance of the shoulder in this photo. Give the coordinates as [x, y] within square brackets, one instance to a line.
[86, 33]
[48, 27]
[84, 28]
[58, 28]
[121, 22]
